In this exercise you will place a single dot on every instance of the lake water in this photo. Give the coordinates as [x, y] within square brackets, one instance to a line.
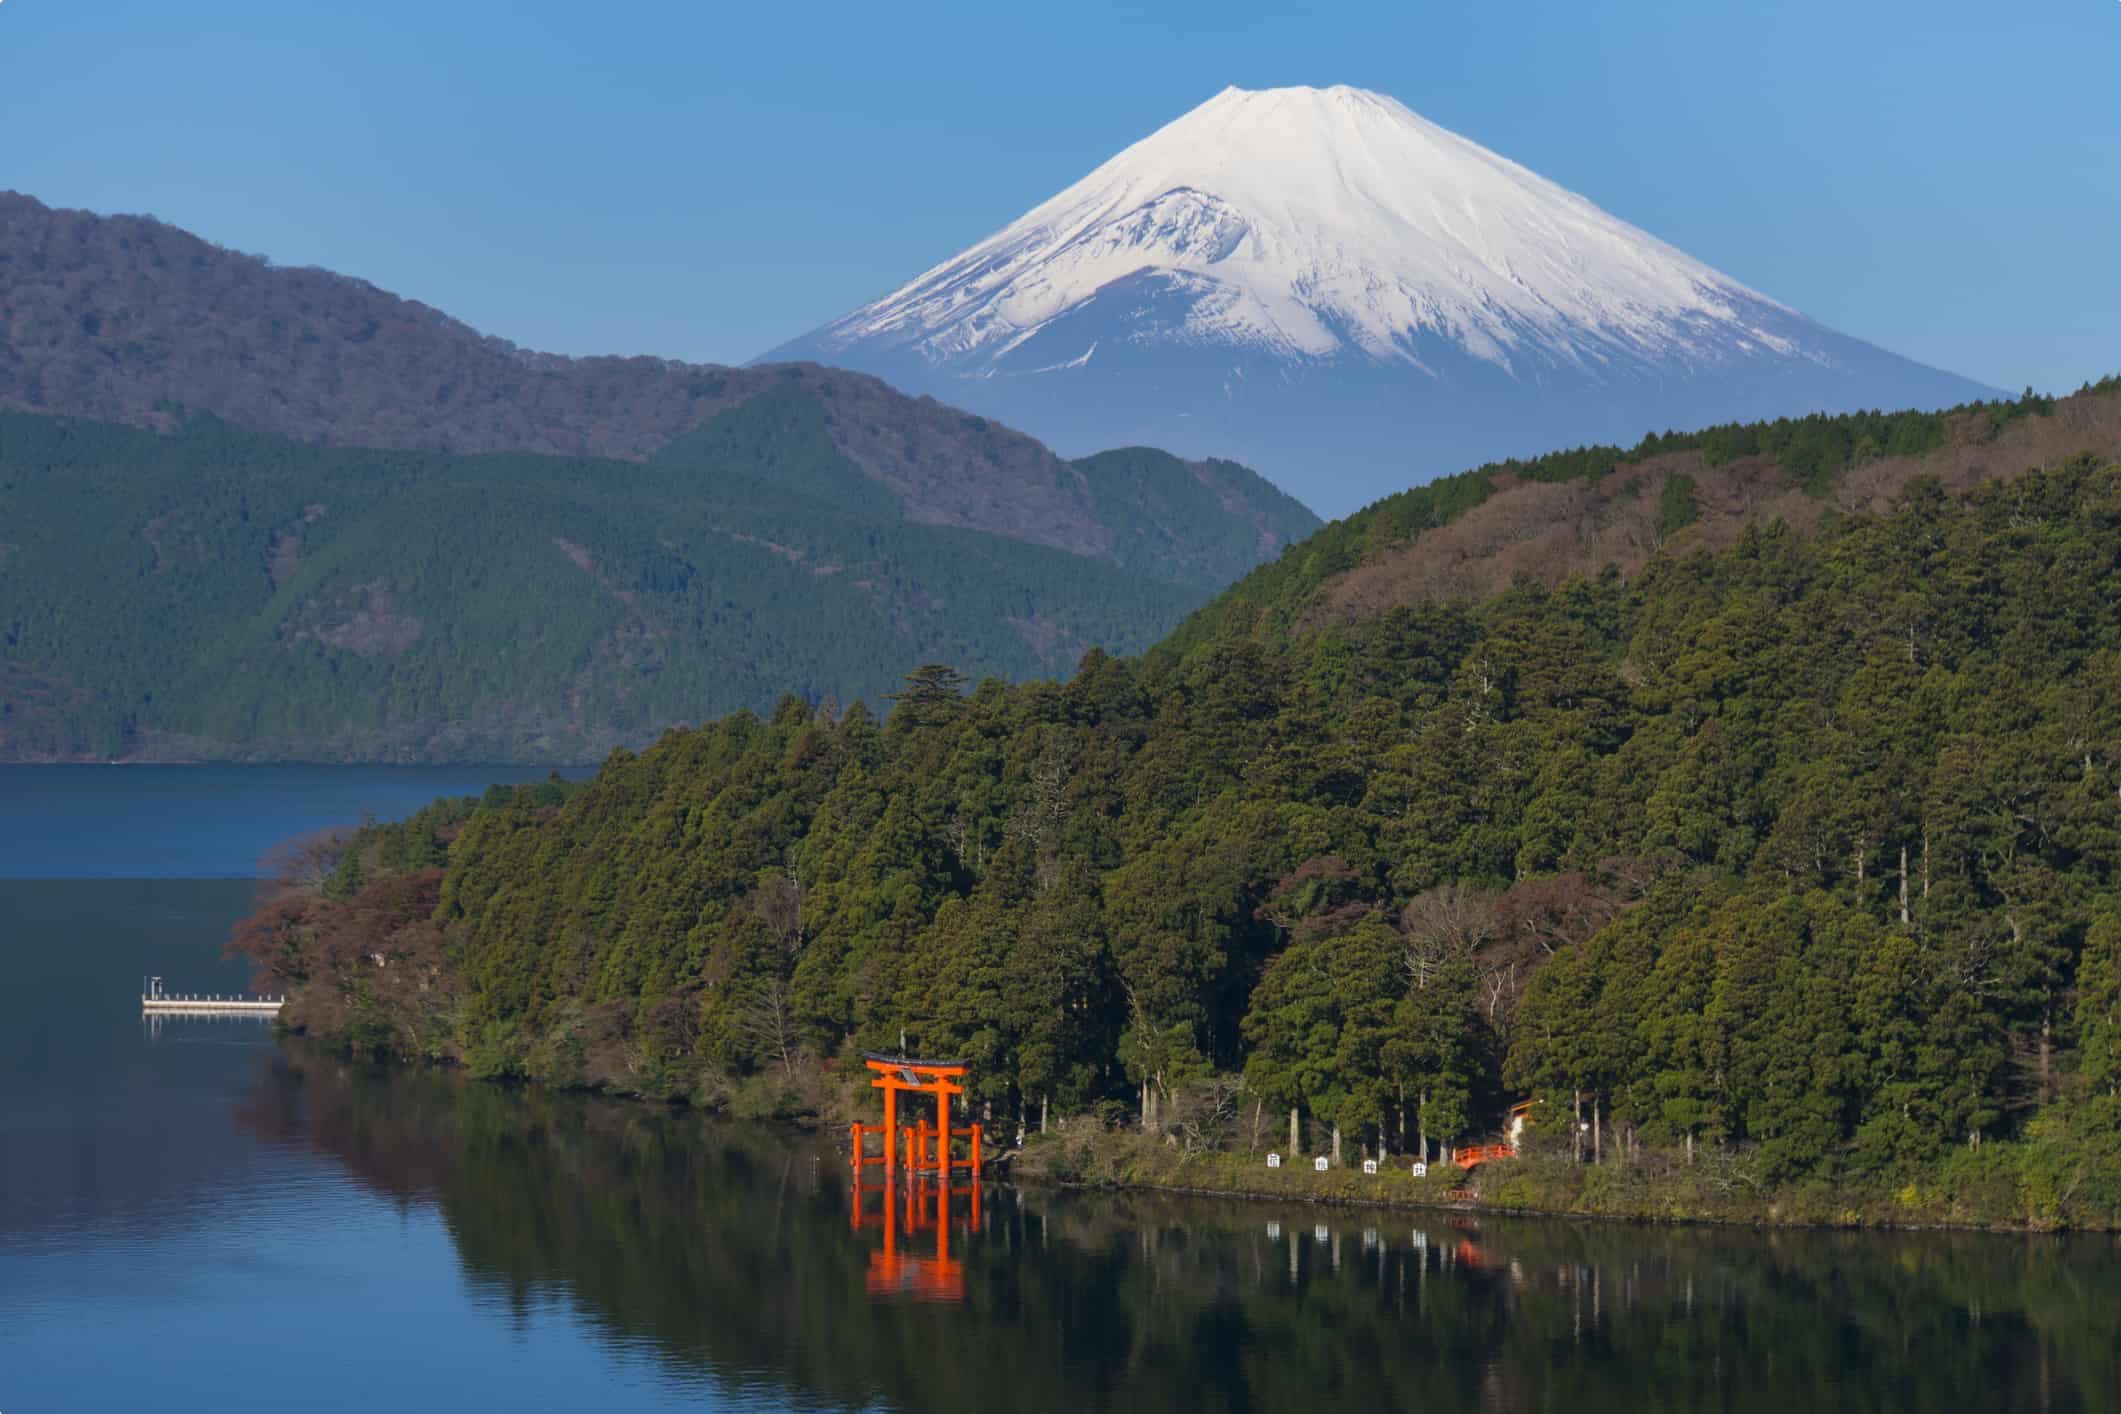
[200, 822]
[193, 1217]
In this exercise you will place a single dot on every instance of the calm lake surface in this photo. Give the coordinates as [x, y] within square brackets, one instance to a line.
[193, 1217]
[201, 822]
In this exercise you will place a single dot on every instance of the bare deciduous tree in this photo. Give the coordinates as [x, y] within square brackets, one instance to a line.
[778, 902]
[1448, 921]
[306, 862]
[1203, 1115]
[767, 1021]
[1554, 912]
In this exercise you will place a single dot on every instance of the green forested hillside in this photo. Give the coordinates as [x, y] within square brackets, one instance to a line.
[214, 592]
[1663, 483]
[1805, 851]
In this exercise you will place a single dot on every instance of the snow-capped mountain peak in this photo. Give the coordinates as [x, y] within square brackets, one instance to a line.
[1319, 221]
[1330, 287]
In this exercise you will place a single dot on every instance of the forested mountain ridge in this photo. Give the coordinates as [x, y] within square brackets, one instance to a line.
[127, 319]
[1806, 848]
[1575, 511]
[265, 513]
[212, 592]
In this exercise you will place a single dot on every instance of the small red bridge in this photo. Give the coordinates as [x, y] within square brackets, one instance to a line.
[1474, 1155]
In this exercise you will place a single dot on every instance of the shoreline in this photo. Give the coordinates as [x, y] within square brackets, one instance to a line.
[1124, 1161]
[1485, 1210]
[1129, 1162]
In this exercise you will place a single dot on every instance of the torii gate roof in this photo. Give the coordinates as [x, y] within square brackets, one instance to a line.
[917, 1070]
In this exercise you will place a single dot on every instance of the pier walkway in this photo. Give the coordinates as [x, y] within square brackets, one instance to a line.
[156, 1002]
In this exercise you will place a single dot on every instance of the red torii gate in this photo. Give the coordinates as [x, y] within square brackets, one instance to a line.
[927, 1148]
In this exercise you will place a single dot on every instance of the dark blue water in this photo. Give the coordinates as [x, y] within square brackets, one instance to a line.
[194, 1216]
[158, 1252]
[200, 822]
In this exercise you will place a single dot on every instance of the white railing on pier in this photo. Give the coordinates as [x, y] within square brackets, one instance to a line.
[154, 999]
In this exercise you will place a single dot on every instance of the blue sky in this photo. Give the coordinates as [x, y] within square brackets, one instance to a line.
[706, 180]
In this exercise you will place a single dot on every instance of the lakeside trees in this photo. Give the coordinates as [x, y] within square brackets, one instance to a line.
[1809, 845]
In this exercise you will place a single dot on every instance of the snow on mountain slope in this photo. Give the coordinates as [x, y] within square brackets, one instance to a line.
[1327, 219]
[1326, 284]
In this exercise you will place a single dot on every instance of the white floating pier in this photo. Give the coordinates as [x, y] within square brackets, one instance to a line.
[156, 1002]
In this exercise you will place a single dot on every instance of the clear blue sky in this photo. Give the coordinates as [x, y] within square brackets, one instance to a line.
[704, 180]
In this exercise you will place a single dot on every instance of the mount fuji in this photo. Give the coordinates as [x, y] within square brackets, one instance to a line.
[1330, 288]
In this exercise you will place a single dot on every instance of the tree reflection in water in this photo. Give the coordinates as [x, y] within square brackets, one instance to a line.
[737, 1251]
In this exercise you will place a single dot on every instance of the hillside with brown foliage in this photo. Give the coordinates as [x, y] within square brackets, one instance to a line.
[1550, 530]
[1583, 511]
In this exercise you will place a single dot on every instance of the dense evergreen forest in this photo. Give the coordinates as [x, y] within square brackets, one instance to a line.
[1803, 850]
[216, 593]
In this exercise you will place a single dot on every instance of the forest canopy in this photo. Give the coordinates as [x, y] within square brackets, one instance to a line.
[1808, 846]
[215, 592]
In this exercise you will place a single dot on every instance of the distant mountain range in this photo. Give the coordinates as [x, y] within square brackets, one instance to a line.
[126, 319]
[265, 512]
[1333, 289]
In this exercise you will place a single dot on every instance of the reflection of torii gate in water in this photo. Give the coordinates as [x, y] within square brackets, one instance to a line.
[920, 1154]
[910, 1207]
